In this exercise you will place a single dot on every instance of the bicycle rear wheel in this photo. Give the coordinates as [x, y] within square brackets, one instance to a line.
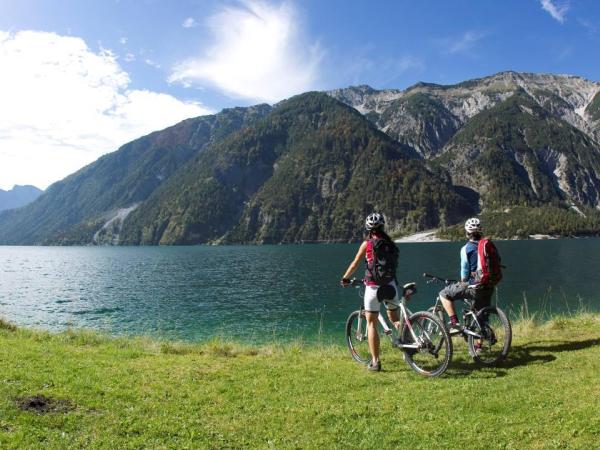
[496, 338]
[434, 346]
[356, 337]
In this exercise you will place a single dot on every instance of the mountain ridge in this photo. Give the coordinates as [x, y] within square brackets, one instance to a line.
[18, 196]
[310, 167]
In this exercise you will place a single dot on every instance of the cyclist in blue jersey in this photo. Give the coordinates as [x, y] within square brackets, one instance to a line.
[469, 286]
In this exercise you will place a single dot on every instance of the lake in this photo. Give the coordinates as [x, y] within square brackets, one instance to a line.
[260, 293]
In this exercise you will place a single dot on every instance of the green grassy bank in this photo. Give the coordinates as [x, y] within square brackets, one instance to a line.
[83, 390]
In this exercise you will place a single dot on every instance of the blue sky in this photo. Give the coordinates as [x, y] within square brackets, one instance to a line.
[81, 77]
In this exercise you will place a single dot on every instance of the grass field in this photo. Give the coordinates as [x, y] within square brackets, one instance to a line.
[82, 390]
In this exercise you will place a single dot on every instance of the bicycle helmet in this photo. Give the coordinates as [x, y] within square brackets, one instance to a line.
[473, 225]
[373, 221]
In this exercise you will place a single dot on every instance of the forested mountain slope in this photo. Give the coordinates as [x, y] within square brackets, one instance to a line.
[75, 209]
[308, 171]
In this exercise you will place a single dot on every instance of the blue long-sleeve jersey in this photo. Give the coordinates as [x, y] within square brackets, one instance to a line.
[468, 261]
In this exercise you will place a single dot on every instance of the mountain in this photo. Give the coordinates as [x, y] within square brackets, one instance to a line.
[18, 196]
[519, 153]
[509, 139]
[91, 204]
[521, 148]
[308, 171]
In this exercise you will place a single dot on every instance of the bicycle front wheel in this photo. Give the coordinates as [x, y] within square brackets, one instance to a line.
[433, 346]
[496, 337]
[356, 337]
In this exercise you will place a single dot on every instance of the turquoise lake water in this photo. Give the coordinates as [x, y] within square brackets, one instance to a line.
[260, 293]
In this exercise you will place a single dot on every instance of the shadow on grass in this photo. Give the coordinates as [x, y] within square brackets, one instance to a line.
[540, 352]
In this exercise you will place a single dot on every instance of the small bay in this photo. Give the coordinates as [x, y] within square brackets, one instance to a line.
[260, 293]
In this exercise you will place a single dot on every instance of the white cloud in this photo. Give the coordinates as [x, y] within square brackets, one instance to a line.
[129, 57]
[63, 105]
[592, 30]
[189, 23]
[407, 63]
[464, 43]
[123, 40]
[258, 53]
[152, 63]
[380, 72]
[558, 11]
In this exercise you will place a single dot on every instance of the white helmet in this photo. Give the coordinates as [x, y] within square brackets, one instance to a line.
[473, 225]
[374, 220]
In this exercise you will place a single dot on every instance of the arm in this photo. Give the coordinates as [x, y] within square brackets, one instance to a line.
[357, 260]
[465, 270]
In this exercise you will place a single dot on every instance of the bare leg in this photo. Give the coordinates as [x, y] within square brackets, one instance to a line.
[448, 306]
[394, 318]
[372, 319]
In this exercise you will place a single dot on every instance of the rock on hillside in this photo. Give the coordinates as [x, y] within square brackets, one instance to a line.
[427, 115]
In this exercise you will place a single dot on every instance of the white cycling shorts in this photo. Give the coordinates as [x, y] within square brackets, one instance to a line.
[373, 305]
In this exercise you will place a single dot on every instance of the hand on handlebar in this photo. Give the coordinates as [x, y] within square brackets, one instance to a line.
[434, 279]
[345, 282]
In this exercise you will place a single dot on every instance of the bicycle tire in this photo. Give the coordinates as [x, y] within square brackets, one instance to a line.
[356, 337]
[438, 312]
[434, 354]
[497, 337]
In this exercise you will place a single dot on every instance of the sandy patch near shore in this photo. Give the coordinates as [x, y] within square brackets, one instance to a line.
[424, 236]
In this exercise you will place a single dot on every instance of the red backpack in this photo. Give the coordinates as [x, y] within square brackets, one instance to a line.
[489, 267]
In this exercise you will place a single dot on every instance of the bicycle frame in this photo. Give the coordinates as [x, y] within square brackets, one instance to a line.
[405, 313]
[469, 311]
[423, 340]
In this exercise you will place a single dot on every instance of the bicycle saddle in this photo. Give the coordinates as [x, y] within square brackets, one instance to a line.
[409, 289]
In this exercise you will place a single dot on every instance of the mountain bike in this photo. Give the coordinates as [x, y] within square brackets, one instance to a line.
[488, 331]
[423, 339]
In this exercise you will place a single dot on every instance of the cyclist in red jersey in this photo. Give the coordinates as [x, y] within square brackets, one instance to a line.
[374, 225]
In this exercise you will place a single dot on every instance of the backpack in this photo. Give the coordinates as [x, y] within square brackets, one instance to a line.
[489, 267]
[385, 261]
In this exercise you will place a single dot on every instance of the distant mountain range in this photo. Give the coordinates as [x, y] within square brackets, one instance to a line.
[309, 168]
[18, 196]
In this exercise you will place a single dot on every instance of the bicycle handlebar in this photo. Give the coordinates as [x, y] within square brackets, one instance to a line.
[355, 282]
[436, 279]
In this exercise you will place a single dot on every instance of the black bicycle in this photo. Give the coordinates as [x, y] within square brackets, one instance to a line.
[488, 331]
[423, 338]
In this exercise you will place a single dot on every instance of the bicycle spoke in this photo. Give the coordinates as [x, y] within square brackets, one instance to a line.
[356, 337]
[434, 350]
[496, 335]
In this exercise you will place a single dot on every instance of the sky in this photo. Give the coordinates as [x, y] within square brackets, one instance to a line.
[80, 78]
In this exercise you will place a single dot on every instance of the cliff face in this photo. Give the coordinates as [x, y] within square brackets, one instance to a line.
[513, 138]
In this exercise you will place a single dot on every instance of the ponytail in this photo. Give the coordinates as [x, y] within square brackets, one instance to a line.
[382, 234]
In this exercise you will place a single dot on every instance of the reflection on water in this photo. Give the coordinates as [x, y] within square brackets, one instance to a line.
[258, 293]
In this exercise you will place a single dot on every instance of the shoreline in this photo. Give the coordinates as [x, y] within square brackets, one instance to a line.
[423, 236]
[430, 236]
